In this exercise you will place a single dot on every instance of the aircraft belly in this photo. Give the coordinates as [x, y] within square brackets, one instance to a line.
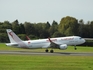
[39, 45]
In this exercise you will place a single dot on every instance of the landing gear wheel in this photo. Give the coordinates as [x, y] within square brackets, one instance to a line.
[46, 50]
[75, 48]
[51, 51]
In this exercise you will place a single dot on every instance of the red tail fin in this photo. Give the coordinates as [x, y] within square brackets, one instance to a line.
[28, 38]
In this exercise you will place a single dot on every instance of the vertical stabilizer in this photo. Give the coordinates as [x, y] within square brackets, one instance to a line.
[12, 36]
[15, 40]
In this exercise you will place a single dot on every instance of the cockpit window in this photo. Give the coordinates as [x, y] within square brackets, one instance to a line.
[80, 38]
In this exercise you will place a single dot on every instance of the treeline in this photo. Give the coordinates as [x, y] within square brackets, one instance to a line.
[68, 26]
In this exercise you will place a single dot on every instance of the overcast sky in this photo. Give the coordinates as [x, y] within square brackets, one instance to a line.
[45, 10]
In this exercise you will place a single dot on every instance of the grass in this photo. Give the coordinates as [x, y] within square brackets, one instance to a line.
[35, 62]
[3, 47]
[45, 62]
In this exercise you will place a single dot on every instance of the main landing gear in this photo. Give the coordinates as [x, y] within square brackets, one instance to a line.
[75, 47]
[51, 51]
[46, 50]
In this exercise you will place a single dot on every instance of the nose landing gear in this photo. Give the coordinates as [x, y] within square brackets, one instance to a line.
[75, 47]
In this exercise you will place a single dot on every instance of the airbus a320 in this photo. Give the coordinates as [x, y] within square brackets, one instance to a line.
[61, 43]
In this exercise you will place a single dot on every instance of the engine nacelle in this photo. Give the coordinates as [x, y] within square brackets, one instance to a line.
[63, 46]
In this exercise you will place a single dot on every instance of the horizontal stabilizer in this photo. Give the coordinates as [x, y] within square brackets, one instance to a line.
[27, 38]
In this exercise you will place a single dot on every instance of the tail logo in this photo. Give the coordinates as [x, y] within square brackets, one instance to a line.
[10, 33]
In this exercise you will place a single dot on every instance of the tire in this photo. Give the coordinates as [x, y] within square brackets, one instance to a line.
[51, 51]
[46, 50]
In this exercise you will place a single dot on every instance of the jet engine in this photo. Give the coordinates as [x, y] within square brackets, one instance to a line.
[63, 46]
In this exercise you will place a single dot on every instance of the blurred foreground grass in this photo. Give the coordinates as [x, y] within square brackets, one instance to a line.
[37, 62]
[45, 62]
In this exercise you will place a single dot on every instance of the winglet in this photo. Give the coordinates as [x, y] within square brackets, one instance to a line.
[49, 39]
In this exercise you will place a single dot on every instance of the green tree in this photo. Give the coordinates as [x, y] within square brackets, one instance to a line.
[68, 26]
[80, 28]
[42, 30]
[29, 28]
[22, 36]
[7, 25]
[90, 30]
[47, 25]
[57, 34]
[32, 37]
[22, 29]
[53, 28]
[16, 27]
[85, 32]
[3, 38]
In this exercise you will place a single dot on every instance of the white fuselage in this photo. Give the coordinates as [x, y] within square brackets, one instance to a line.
[45, 43]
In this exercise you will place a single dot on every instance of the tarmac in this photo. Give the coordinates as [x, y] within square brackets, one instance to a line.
[44, 53]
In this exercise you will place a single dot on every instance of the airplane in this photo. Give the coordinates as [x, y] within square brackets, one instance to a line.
[53, 43]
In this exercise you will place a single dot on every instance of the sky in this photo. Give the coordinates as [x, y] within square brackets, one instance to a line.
[36, 11]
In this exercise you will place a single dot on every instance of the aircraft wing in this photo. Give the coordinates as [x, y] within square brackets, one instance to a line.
[52, 44]
[55, 45]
